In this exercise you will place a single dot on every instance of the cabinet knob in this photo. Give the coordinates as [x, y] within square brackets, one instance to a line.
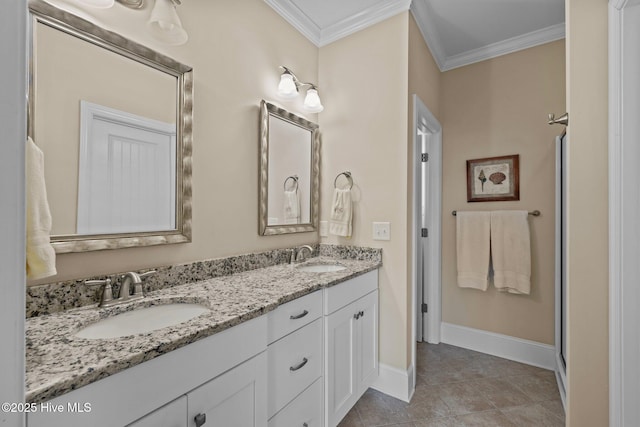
[300, 365]
[299, 316]
[200, 419]
[361, 314]
[305, 425]
[356, 316]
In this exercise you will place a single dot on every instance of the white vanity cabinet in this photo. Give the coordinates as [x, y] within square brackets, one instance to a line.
[351, 343]
[221, 375]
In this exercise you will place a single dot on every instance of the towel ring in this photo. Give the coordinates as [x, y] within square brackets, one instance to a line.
[347, 174]
[295, 181]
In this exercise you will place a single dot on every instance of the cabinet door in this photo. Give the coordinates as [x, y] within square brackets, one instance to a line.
[234, 399]
[172, 414]
[367, 341]
[341, 390]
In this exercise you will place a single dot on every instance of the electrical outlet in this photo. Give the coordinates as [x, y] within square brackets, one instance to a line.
[324, 229]
[381, 231]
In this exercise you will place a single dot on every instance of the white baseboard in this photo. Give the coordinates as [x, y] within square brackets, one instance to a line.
[512, 348]
[395, 382]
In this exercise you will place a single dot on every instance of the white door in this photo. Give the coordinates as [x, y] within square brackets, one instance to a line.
[423, 245]
[127, 170]
[237, 398]
[367, 344]
[340, 374]
[427, 219]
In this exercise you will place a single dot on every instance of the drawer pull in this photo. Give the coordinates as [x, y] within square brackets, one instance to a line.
[295, 368]
[305, 425]
[299, 316]
[200, 419]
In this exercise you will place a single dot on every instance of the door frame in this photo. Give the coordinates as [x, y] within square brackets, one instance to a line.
[424, 119]
[13, 122]
[624, 208]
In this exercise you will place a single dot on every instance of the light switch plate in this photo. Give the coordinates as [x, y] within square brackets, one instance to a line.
[381, 231]
[324, 229]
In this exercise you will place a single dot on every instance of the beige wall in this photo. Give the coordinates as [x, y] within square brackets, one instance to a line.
[587, 252]
[493, 108]
[235, 49]
[424, 81]
[363, 83]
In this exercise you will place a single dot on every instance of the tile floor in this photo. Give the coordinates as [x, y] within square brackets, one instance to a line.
[456, 387]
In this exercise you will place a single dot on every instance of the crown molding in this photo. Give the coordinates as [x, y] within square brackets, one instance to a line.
[421, 14]
[294, 16]
[514, 44]
[368, 17]
[352, 24]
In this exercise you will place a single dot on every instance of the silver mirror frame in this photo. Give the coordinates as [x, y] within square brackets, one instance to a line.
[44, 13]
[266, 110]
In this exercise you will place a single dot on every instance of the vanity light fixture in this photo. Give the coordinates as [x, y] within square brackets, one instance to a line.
[288, 89]
[164, 23]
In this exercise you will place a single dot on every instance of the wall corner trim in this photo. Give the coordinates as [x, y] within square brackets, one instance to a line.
[395, 382]
[512, 348]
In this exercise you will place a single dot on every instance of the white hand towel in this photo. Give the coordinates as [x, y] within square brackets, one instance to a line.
[41, 257]
[291, 207]
[473, 234]
[341, 213]
[511, 251]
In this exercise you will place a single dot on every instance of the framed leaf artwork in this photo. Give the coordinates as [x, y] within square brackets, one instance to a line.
[493, 179]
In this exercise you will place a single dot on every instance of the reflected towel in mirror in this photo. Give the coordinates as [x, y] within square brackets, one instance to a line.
[341, 213]
[41, 257]
[291, 207]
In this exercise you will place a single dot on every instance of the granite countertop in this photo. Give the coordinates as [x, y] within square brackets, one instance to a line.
[58, 362]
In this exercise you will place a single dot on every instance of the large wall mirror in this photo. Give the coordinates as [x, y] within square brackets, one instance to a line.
[113, 119]
[289, 172]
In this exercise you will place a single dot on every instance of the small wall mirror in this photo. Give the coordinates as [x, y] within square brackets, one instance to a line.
[113, 119]
[289, 172]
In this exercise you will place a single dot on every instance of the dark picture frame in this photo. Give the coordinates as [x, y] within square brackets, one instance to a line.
[493, 179]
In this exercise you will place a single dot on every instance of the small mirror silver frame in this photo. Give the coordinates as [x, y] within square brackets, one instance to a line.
[266, 110]
[44, 13]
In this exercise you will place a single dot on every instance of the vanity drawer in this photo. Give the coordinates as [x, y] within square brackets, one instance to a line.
[305, 409]
[293, 315]
[293, 364]
[340, 295]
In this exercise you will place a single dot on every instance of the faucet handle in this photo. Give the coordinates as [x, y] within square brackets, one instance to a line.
[147, 274]
[137, 289]
[107, 292]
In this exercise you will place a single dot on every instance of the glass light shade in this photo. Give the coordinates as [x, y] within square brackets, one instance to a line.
[287, 87]
[312, 101]
[164, 23]
[99, 4]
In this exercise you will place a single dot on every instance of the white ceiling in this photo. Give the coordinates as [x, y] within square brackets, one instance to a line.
[458, 32]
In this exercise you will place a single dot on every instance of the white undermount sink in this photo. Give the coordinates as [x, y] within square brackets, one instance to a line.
[142, 320]
[321, 268]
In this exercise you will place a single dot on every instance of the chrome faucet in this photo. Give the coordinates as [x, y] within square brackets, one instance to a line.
[297, 254]
[125, 295]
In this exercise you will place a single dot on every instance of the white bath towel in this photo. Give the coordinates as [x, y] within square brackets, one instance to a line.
[511, 251]
[41, 257]
[291, 207]
[341, 213]
[473, 233]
